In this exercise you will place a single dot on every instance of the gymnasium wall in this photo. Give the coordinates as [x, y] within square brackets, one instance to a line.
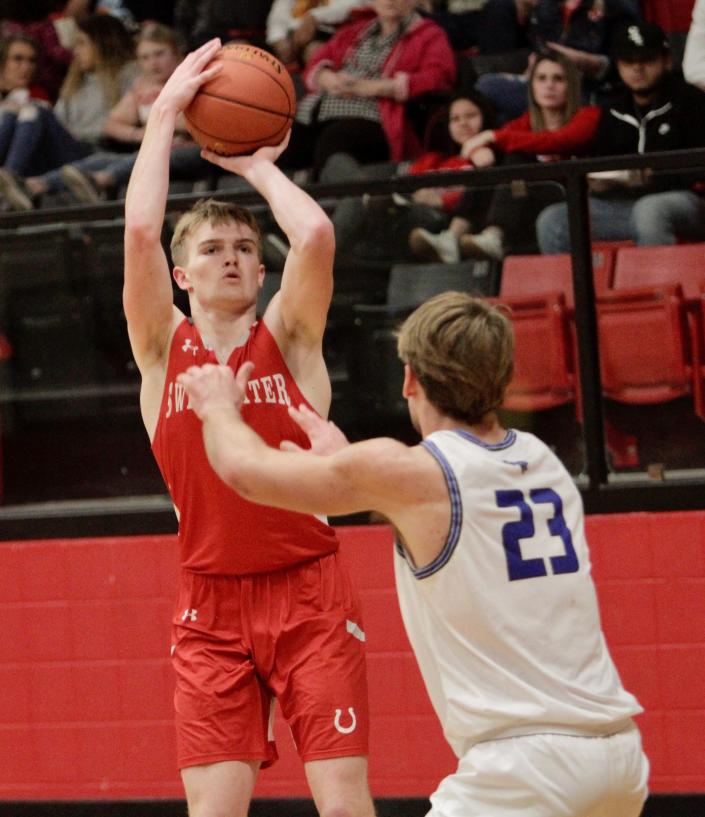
[85, 702]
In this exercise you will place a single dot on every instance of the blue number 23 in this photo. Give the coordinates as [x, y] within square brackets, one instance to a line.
[514, 532]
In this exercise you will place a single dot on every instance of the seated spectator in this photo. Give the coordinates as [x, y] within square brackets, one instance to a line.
[295, 28]
[579, 29]
[360, 82]
[39, 21]
[18, 68]
[196, 21]
[657, 111]
[44, 138]
[555, 127]
[91, 178]
[378, 228]
[694, 56]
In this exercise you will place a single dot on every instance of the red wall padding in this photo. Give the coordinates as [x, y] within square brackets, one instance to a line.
[86, 686]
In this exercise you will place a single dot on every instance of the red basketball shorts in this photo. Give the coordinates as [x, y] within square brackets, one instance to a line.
[239, 642]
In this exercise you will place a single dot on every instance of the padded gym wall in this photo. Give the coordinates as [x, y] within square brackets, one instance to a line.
[85, 709]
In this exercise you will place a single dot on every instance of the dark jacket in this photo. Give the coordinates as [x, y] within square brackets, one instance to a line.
[675, 120]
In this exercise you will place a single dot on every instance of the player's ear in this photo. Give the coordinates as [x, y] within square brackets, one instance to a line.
[181, 277]
[411, 382]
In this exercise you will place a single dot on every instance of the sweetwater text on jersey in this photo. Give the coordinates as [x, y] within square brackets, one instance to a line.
[266, 389]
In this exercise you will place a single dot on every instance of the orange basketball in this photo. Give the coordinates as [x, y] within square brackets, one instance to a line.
[250, 103]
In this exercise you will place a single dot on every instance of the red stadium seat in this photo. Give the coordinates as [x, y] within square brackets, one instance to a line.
[682, 264]
[650, 351]
[544, 375]
[532, 275]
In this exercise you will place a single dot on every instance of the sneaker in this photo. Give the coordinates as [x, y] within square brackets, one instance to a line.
[428, 246]
[275, 250]
[487, 245]
[81, 185]
[13, 191]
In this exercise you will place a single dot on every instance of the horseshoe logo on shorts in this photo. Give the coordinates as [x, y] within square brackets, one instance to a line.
[345, 730]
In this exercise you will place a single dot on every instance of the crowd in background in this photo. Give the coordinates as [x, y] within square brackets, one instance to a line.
[385, 87]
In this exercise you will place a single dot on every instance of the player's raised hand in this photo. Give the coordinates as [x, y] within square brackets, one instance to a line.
[212, 388]
[325, 436]
[189, 75]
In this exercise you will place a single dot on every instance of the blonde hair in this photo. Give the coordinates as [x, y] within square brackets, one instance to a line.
[573, 100]
[114, 49]
[152, 32]
[212, 212]
[461, 349]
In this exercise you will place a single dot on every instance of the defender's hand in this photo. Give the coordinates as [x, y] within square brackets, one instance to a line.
[211, 388]
[325, 436]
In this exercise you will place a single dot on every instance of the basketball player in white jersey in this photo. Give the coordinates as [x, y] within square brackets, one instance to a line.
[492, 568]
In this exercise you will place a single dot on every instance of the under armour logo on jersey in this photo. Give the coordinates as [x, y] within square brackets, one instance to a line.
[192, 615]
[664, 128]
[345, 730]
[188, 347]
[523, 464]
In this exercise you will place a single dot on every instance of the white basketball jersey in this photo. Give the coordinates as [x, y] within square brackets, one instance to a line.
[504, 622]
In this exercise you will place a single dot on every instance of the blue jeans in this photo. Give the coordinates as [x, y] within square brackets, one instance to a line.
[185, 162]
[655, 219]
[37, 141]
[508, 93]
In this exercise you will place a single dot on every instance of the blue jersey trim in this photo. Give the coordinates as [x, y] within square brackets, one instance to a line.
[456, 516]
[508, 441]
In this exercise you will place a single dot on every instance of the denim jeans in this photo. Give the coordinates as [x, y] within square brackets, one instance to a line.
[655, 219]
[38, 142]
[508, 93]
[185, 163]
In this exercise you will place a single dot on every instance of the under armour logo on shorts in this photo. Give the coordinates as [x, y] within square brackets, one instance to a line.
[189, 614]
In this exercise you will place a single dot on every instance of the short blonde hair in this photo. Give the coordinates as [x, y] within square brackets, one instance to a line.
[212, 212]
[461, 348]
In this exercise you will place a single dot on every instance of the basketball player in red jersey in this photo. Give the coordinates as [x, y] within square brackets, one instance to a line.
[265, 610]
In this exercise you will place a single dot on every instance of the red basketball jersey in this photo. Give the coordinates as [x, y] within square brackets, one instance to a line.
[219, 531]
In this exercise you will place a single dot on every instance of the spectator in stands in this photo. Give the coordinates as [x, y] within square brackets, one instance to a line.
[41, 21]
[197, 21]
[44, 138]
[18, 67]
[360, 82]
[378, 227]
[295, 29]
[694, 56]
[581, 30]
[657, 111]
[555, 127]
[89, 179]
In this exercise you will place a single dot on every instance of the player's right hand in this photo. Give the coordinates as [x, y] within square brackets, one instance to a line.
[189, 75]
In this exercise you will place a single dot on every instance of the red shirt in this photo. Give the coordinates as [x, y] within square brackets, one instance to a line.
[219, 531]
[572, 138]
[431, 162]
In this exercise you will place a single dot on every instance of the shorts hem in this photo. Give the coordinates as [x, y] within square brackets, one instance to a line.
[205, 760]
[330, 754]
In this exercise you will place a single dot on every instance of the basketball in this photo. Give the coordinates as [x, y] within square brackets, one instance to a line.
[250, 103]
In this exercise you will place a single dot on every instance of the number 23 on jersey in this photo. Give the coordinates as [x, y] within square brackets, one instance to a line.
[525, 528]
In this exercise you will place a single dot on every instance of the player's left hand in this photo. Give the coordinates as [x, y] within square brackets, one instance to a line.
[325, 436]
[241, 165]
[210, 388]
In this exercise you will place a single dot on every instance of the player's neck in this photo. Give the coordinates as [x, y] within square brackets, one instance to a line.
[222, 331]
[489, 429]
